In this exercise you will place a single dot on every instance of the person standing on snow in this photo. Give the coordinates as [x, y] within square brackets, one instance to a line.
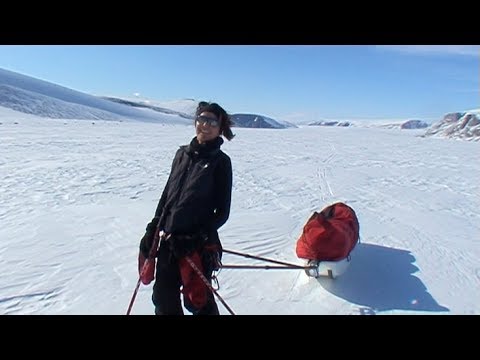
[194, 204]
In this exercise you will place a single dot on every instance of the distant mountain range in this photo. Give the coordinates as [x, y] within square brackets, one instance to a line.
[239, 120]
[456, 125]
[38, 97]
[409, 124]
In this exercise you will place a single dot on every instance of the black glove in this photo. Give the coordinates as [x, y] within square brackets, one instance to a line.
[185, 244]
[147, 240]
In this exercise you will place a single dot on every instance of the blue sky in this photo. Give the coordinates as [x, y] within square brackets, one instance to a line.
[294, 83]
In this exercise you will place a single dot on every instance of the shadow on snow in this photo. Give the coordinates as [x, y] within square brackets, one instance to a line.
[382, 279]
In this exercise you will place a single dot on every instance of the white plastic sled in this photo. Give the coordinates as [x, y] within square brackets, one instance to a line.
[330, 269]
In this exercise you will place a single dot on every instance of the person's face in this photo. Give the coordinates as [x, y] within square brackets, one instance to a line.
[207, 127]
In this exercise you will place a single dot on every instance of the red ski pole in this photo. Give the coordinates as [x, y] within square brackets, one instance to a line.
[134, 296]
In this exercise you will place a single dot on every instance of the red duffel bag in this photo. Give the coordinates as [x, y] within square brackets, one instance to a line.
[329, 235]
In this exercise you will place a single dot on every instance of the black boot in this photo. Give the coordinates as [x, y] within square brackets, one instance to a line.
[210, 308]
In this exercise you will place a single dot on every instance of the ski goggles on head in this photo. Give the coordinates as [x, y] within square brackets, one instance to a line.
[202, 120]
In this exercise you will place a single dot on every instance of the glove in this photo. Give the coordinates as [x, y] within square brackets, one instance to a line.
[147, 239]
[184, 245]
[212, 257]
[146, 269]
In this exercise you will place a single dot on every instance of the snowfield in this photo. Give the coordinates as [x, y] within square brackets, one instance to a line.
[75, 197]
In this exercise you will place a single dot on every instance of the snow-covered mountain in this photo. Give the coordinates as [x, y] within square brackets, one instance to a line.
[406, 125]
[33, 96]
[329, 123]
[414, 124]
[186, 108]
[147, 105]
[464, 125]
[259, 121]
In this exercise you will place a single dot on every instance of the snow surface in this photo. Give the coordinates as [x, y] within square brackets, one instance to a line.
[75, 197]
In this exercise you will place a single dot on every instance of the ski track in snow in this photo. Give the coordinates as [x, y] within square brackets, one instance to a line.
[75, 198]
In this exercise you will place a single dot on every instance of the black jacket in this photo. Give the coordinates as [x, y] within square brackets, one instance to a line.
[197, 196]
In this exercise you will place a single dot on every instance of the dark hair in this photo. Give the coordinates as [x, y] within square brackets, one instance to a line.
[221, 114]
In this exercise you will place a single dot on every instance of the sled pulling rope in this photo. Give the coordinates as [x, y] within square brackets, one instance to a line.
[284, 265]
[266, 267]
